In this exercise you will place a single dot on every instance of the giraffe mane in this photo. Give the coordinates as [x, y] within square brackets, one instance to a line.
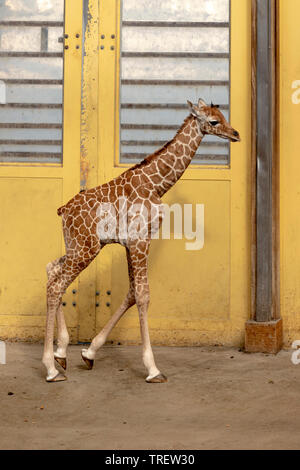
[152, 156]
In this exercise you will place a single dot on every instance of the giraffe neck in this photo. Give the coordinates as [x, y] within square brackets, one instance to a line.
[168, 164]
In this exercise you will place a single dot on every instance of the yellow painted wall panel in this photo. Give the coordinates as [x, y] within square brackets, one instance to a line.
[30, 238]
[207, 333]
[290, 168]
[195, 284]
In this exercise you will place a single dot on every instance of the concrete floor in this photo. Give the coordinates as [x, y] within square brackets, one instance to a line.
[215, 399]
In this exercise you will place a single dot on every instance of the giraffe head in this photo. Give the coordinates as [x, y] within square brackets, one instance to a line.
[212, 121]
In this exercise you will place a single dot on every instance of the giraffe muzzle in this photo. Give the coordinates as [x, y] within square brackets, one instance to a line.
[236, 137]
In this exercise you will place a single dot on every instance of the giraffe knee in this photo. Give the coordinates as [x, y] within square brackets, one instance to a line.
[54, 268]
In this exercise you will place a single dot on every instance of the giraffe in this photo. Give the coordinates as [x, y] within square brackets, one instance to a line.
[141, 186]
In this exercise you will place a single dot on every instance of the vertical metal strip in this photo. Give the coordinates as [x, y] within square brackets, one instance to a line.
[87, 284]
[253, 154]
[89, 96]
[265, 138]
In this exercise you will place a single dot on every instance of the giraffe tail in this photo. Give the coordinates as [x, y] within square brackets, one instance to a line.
[61, 210]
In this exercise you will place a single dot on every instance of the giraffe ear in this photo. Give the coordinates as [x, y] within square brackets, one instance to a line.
[192, 108]
[201, 103]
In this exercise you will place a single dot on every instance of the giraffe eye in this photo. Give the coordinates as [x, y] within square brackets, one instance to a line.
[214, 123]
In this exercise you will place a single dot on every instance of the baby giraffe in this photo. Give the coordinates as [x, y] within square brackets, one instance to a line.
[127, 210]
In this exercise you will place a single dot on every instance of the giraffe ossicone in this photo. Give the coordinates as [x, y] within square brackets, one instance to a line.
[141, 187]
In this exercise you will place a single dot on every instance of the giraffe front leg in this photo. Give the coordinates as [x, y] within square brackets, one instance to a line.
[139, 257]
[154, 375]
[59, 277]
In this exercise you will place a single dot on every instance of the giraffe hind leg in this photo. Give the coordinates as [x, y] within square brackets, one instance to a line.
[60, 354]
[53, 269]
[139, 255]
[60, 275]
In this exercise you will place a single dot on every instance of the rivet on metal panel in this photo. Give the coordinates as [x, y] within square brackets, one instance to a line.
[107, 304]
[77, 47]
[113, 36]
[77, 35]
[112, 47]
[101, 47]
[74, 304]
[66, 47]
[97, 293]
[108, 292]
[97, 304]
[66, 36]
[64, 304]
[74, 291]
[102, 36]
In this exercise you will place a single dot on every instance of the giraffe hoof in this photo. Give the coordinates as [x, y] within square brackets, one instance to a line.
[58, 378]
[89, 362]
[62, 361]
[159, 379]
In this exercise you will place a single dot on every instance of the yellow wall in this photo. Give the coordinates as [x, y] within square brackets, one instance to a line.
[197, 297]
[31, 233]
[290, 167]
